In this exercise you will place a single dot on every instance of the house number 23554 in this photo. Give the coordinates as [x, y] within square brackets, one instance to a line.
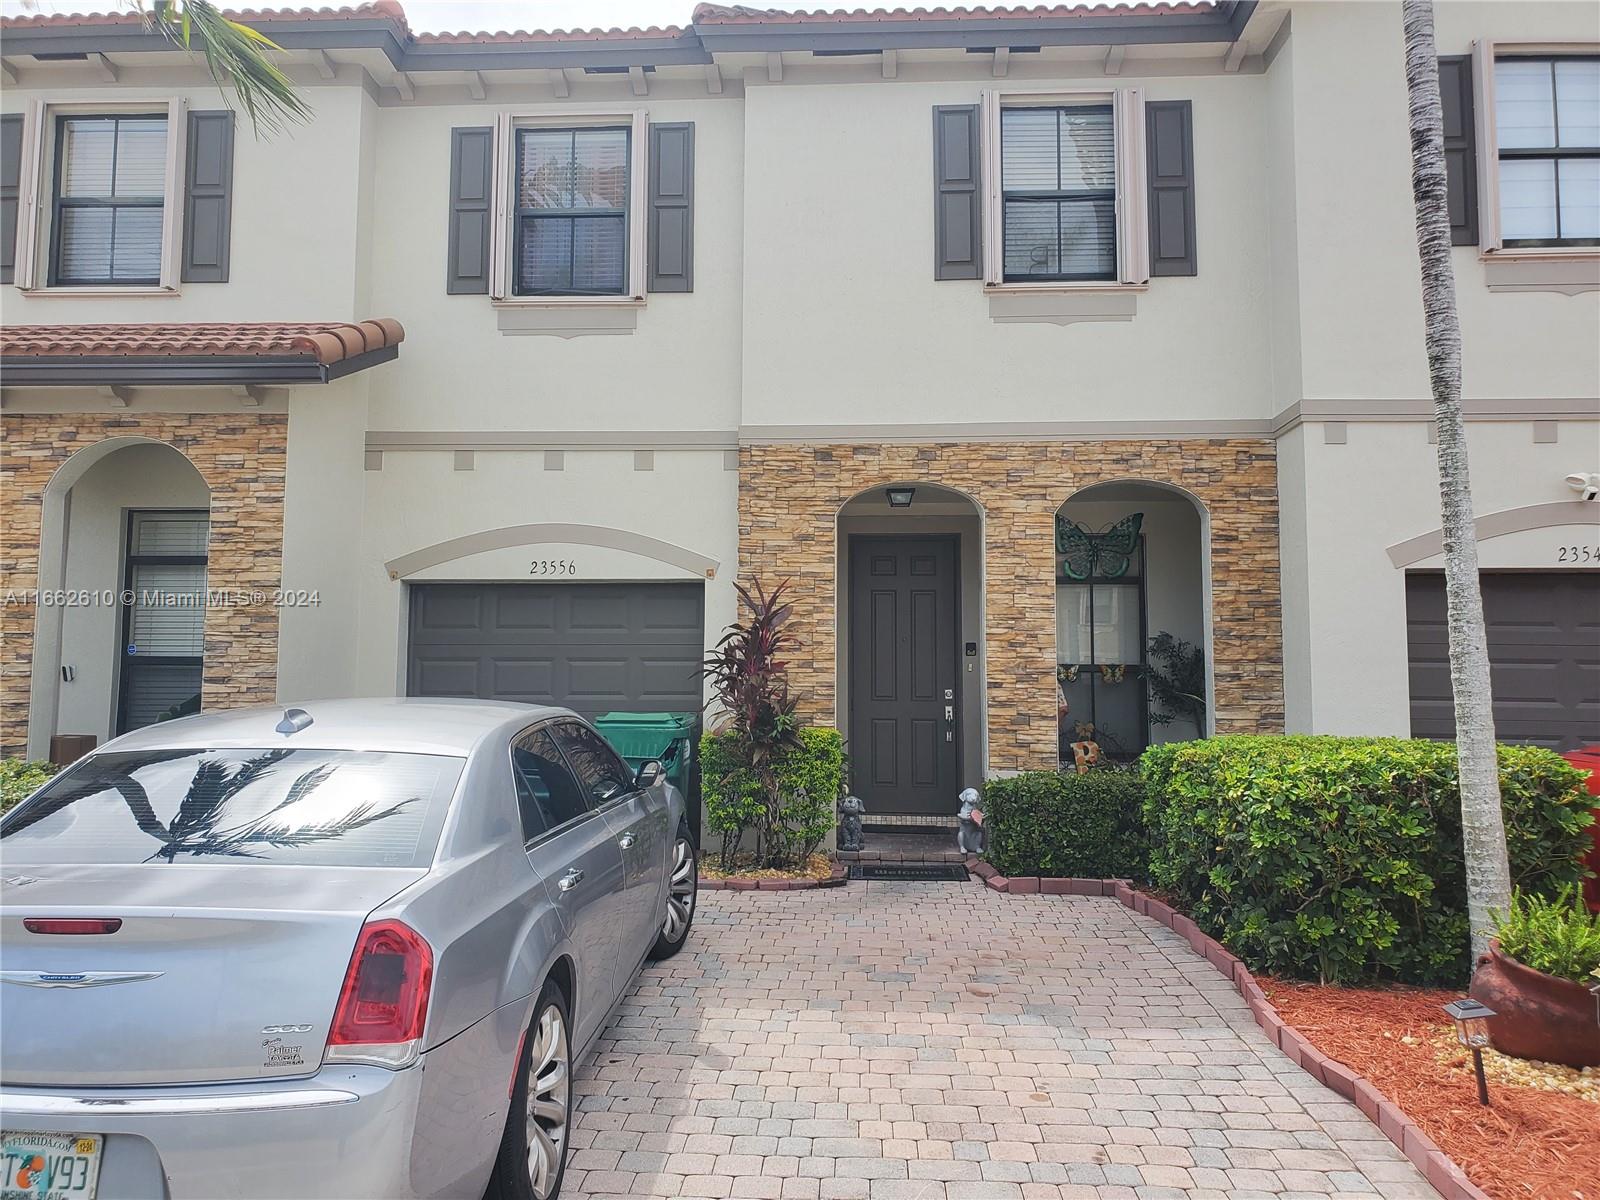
[552, 566]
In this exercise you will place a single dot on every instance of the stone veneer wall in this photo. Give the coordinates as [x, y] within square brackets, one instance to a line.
[789, 499]
[241, 456]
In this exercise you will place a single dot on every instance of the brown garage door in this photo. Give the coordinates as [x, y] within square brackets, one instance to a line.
[593, 647]
[1544, 656]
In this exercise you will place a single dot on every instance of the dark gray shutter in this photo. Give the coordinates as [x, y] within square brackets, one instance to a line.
[471, 181]
[957, 192]
[10, 192]
[671, 229]
[1460, 147]
[1169, 144]
[208, 197]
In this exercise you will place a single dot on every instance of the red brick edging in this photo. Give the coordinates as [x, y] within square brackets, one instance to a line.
[744, 883]
[1437, 1167]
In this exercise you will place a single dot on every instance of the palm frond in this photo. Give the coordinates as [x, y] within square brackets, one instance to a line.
[237, 56]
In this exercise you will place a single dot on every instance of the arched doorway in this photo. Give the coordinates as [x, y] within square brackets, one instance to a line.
[910, 670]
[124, 541]
[1133, 665]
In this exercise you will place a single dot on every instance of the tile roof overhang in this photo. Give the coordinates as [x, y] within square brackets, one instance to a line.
[715, 28]
[267, 352]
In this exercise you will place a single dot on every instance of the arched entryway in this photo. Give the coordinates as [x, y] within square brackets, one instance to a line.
[1133, 664]
[910, 672]
[124, 542]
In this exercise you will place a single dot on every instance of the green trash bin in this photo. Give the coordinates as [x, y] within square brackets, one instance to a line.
[670, 737]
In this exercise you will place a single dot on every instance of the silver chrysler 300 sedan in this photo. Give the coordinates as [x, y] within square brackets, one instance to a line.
[354, 950]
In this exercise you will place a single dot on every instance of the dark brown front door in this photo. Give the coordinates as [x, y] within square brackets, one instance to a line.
[904, 710]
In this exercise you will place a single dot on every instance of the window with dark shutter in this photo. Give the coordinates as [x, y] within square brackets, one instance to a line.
[571, 233]
[1058, 193]
[109, 193]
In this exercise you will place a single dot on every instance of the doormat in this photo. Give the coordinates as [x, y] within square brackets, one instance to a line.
[909, 872]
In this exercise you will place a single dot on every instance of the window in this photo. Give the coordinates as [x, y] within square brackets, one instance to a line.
[1064, 182]
[1100, 655]
[1058, 192]
[164, 619]
[1547, 121]
[604, 774]
[274, 805]
[100, 196]
[569, 209]
[572, 212]
[109, 197]
[548, 794]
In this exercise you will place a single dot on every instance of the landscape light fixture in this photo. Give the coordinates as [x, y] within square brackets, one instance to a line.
[1472, 1031]
[900, 497]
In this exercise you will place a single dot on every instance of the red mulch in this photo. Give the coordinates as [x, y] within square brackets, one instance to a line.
[1528, 1145]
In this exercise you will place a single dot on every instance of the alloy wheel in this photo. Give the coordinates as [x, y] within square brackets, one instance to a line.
[680, 891]
[549, 1081]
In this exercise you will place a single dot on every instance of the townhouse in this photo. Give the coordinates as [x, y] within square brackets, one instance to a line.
[1013, 338]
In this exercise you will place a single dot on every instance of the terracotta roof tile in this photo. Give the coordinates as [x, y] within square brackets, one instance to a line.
[390, 9]
[740, 14]
[323, 342]
[556, 35]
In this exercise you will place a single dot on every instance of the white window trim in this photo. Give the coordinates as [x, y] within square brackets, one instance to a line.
[32, 275]
[1133, 234]
[502, 241]
[1490, 244]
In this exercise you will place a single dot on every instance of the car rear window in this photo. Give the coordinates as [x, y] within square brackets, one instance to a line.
[297, 807]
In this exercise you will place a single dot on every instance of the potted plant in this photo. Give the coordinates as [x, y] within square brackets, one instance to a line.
[1535, 978]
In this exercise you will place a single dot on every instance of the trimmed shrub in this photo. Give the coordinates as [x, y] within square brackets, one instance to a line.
[809, 778]
[1051, 823]
[1340, 858]
[20, 779]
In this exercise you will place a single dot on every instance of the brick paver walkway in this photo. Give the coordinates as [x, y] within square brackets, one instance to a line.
[891, 1041]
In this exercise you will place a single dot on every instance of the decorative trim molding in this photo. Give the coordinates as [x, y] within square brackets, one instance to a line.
[1570, 275]
[999, 431]
[1416, 411]
[1060, 307]
[1497, 524]
[551, 532]
[565, 439]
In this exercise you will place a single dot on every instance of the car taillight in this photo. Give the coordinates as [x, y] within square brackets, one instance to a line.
[72, 925]
[383, 1003]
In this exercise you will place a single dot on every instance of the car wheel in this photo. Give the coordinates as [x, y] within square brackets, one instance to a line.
[533, 1151]
[683, 888]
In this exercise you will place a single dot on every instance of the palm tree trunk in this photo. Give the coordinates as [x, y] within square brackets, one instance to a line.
[1482, 825]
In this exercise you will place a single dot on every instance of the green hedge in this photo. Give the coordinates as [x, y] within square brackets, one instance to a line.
[1047, 823]
[810, 778]
[1340, 858]
[20, 779]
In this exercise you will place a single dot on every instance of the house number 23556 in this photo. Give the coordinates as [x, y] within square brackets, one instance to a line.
[553, 566]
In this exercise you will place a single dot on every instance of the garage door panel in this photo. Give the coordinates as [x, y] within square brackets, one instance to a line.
[1544, 651]
[592, 647]
[444, 677]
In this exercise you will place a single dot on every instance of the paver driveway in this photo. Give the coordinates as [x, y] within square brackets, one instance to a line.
[886, 1041]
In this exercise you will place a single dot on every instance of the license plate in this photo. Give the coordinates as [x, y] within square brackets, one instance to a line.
[49, 1166]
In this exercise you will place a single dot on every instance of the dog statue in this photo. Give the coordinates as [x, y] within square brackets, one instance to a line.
[851, 810]
[970, 839]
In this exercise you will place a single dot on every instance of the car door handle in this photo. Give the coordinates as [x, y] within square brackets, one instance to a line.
[626, 841]
[570, 880]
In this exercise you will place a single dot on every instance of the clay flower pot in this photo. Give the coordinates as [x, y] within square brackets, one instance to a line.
[1538, 1015]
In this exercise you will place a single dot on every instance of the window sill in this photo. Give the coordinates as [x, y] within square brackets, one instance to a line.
[96, 293]
[568, 316]
[1062, 304]
[1568, 272]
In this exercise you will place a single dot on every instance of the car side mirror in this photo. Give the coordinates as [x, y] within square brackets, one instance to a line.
[650, 772]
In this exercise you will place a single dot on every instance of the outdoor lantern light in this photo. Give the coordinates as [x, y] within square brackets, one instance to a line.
[900, 497]
[1472, 1031]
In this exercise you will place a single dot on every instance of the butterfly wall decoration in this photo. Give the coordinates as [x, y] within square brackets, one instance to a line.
[1104, 555]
